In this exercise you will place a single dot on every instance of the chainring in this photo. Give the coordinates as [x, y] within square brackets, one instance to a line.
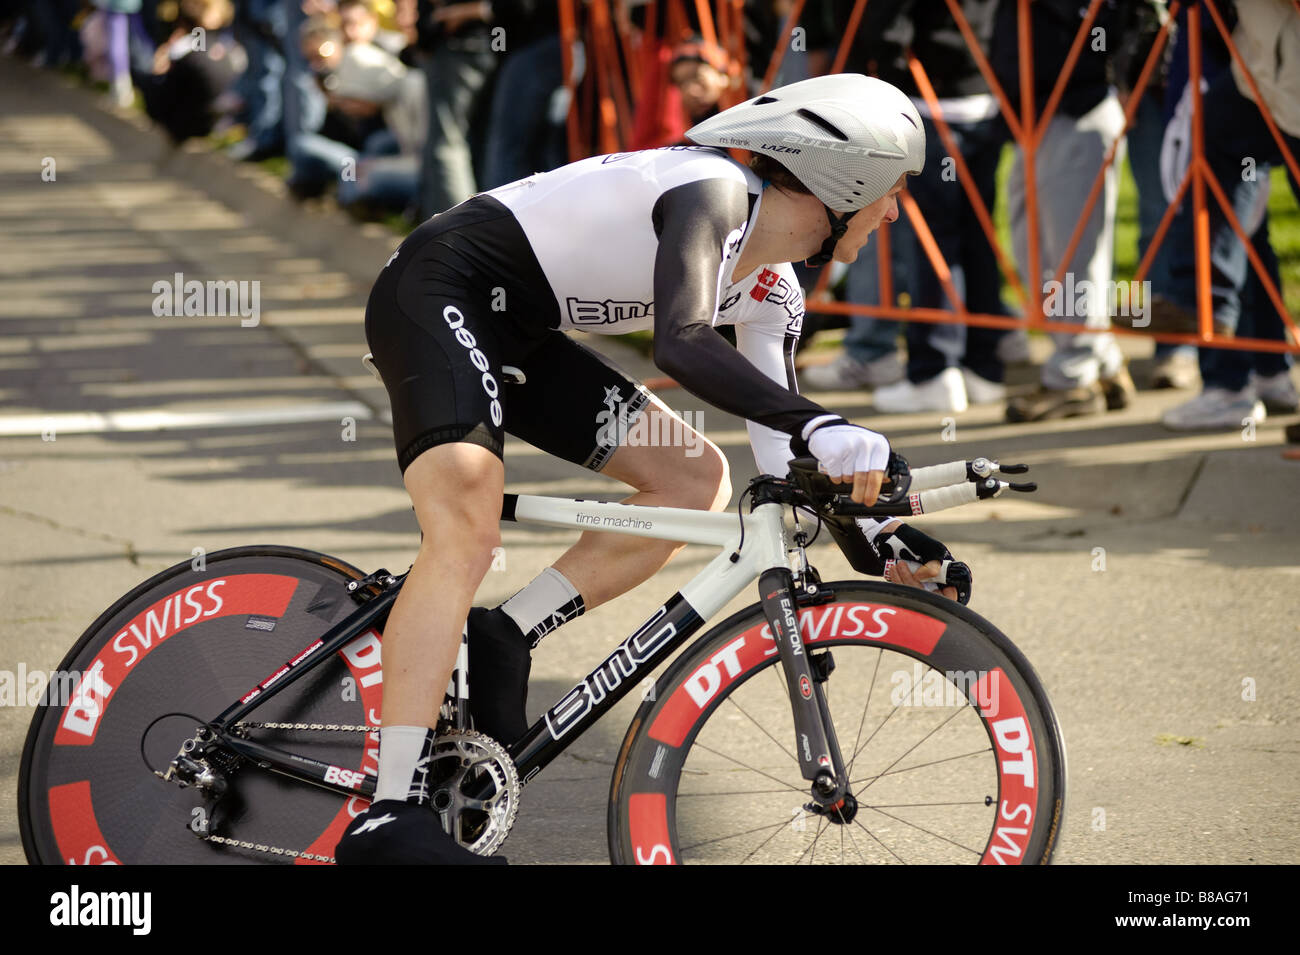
[474, 787]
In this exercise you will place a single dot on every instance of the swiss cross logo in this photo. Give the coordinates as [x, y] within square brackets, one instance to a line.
[766, 280]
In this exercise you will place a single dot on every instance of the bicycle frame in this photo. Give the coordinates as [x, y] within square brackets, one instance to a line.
[763, 555]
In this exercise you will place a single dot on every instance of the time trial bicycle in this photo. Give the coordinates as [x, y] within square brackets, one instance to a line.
[229, 712]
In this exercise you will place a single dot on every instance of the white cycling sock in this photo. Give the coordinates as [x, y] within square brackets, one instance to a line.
[546, 603]
[403, 757]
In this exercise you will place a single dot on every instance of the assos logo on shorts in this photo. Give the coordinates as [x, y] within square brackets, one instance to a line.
[464, 336]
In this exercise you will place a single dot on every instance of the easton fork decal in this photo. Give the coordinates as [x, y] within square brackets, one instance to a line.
[811, 745]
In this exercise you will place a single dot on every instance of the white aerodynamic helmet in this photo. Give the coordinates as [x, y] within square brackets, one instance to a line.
[847, 137]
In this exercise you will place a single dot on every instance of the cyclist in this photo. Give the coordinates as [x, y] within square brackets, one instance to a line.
[680, 240]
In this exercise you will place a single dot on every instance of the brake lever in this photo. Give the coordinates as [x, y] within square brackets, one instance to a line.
[983, 467]
[898, 480]
[992, 487]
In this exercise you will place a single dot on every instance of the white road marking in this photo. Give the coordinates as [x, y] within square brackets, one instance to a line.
[96, 422]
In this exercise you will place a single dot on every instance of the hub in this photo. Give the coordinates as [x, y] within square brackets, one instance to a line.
[841, 813]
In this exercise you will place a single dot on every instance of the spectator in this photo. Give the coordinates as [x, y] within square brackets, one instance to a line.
[870, 358]
[526, 131]
[459, 64]
[952, 365]
[192, 70]
[116, 16]
[44, 30]
[382, 100]
[948, 366]
[281, 98]
[699, 71]
[360, 24]
[1240, 385]
[685, 90]
[1086, 373]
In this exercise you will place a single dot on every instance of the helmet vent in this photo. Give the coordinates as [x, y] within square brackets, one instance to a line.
[823, 124]
[908, 118]
[764, 100]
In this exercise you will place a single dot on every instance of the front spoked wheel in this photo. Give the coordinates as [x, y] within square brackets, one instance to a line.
[953, 751]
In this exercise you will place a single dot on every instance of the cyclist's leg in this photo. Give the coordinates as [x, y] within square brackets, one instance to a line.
[595, 415]
[456, 489]
[440, 362]
[602, 566]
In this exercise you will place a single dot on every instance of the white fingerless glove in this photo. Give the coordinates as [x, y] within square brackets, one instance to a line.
[844, 449]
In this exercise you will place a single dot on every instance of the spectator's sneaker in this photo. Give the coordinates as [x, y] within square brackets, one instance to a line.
[846, 373]
[946, 391]
[1277, 392]
[1215, 409]
[1118, 390]
[1177, 369]
[121, 92]
[1013, 348]
[393, 832]
[981, 391]
[499, 663]
[1045, 404]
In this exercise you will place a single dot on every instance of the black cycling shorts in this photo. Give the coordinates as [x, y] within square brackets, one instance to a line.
[463, 296]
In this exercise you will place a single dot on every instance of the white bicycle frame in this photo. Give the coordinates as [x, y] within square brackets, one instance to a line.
[722, 579]
[730, 572]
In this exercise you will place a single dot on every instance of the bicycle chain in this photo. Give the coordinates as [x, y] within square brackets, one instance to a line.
[273, 850]
[342, 727]
[277, 850]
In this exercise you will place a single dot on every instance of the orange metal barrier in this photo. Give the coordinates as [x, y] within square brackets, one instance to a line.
[599, 121]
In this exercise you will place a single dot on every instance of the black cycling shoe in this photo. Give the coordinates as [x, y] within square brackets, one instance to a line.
[392, 832]
[499, 662]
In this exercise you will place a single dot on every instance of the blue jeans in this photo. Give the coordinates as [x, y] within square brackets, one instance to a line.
[975, 275]
[1234, 131]
[1144, 142]
[1230, 368]
[381, 176]
[521, 139]
[870, 338]
[458, 75]
[281, 95]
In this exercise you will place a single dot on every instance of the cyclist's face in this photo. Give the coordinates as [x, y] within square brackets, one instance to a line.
[866, 221]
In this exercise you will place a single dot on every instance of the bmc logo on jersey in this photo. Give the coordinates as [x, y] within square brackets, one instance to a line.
[607, 312]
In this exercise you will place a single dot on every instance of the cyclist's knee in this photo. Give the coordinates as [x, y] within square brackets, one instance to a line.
[705, 479]
[456, 490]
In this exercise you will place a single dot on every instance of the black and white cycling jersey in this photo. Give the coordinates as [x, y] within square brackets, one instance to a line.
[599, 228]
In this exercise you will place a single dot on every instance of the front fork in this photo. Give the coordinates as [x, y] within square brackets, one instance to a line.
[817, 749]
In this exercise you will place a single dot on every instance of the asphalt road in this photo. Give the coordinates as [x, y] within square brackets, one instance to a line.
[1152, 581]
